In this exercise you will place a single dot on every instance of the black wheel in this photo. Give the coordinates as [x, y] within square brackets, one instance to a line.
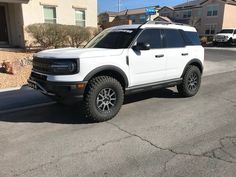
[103, 99]
[191, 82]
[229, 43]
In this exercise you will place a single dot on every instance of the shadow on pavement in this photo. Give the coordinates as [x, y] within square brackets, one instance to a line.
[74, 114]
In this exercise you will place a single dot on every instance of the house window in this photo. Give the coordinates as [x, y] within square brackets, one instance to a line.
[80, 17]
[142, 18]
[210, 29]
[212, 10]
[133, 18]
[50, 14]
[187, 14]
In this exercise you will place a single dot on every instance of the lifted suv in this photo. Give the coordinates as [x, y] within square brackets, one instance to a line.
[121, 60]
[225, 36]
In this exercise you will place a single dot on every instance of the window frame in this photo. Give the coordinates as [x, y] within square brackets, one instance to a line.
[212, 11]
[188, 12]
[210, 29]
[77, 20]
[53, 19]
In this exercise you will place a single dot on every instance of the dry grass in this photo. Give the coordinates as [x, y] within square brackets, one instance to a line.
[23, 72]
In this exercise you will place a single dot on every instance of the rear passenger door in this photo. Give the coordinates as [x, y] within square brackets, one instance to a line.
[177, 54]
[147, 66]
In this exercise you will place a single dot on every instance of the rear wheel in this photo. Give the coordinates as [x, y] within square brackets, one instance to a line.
[191, 82]
[104, 98]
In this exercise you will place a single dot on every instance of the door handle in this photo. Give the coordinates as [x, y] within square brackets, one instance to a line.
[184, 54]
[159, 56]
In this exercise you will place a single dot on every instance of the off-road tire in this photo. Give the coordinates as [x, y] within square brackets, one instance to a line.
[103, 85]
[190, 86]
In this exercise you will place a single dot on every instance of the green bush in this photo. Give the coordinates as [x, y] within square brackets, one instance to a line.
[57, 35]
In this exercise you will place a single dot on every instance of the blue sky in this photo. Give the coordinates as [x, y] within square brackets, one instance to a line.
[112, 5]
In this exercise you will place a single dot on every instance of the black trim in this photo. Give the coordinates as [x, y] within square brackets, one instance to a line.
[191, 62]
[67, 90]
[152, 86]
[107, 68]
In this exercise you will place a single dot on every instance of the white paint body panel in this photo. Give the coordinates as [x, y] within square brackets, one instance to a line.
[143, 67]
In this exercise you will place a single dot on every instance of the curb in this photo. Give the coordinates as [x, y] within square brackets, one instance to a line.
[12, 89]
[220, 48]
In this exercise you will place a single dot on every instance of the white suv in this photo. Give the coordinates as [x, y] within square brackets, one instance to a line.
[121, 60]
[225, 36]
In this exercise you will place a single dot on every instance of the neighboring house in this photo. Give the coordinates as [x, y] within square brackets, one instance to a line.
[166, 12]
[15, 15]
[135, 16]
[208, 16]
[107, 17]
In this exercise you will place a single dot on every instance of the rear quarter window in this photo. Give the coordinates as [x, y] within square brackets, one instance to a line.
[191, 37]
[173, 39]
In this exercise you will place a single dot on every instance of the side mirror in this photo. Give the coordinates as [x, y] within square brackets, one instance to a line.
[142, 46]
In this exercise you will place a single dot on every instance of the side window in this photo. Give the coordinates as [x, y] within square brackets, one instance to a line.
[173, 39]
[234, 31]
[151, 36]
[190, 38]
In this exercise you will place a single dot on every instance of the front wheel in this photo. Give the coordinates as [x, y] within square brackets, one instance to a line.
[191, 82]
[104, 98]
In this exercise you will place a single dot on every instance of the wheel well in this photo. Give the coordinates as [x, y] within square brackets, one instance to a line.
[194, 63]
[113, 74]
[197, 65]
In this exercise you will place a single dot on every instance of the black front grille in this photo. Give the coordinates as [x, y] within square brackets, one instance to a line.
[43, 65]
[47, 65]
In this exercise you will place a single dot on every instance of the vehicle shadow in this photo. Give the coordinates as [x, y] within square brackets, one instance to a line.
[73, 114]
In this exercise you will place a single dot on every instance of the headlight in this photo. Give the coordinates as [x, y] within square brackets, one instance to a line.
[65, 67]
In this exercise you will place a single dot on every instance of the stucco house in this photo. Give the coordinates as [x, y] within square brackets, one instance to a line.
[128, 16]
[208, 16]
[15, 15]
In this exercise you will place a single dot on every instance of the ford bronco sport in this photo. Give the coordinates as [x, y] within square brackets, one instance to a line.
[121, 60]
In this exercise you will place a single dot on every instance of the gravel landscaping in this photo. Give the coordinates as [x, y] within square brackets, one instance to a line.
[22, 67]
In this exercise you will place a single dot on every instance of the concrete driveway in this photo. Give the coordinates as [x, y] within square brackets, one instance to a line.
[156, 133]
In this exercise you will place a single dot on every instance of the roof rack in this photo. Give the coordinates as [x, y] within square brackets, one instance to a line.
[164, 23]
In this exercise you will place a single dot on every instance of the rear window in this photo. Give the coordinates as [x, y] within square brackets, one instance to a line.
[191, 38]
[173, 38]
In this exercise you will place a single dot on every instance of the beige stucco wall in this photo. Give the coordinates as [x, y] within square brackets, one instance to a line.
[65, 9]
[217, 20]
[229, 16]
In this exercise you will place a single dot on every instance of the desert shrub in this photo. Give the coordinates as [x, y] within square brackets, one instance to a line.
[57, 35]
[77, 35]
[203, 40]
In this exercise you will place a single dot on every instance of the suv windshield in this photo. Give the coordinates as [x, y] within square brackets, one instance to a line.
[227, 31]
[113, 39]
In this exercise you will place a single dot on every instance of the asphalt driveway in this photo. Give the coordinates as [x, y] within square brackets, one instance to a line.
[156, 133]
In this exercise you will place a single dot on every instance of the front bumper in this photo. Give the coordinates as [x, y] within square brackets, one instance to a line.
[73, 91]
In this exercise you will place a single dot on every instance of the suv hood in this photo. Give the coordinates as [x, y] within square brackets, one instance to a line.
[78, 53]
[224, 34]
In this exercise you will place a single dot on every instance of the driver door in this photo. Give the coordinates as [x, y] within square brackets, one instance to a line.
[147, 66]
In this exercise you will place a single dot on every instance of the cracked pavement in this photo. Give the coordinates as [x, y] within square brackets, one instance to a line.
[156, 134]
